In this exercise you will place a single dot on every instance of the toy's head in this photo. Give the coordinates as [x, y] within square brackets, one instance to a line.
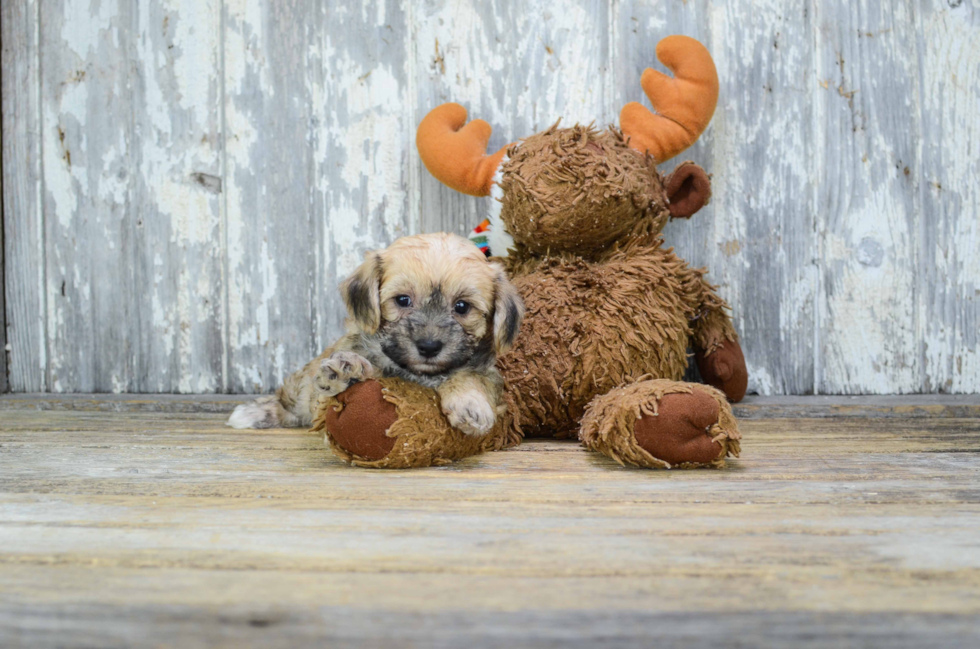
[578, 189]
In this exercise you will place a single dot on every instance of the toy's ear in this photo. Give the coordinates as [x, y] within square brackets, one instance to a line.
[688, 190]
[362, 293]
[508, 312]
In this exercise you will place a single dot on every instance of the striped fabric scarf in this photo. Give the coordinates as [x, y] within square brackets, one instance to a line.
[479, 236]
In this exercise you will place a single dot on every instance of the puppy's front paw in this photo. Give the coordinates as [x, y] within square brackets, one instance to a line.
[340, 371]
[469, 413]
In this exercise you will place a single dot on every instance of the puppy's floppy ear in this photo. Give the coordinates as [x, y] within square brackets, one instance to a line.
[508, 311]
[362, 293]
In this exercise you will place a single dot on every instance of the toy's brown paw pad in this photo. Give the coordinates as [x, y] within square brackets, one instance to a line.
[360, 426]
[679, 433]
[725, 369]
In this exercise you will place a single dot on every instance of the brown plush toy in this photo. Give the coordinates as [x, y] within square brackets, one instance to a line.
[576, 216]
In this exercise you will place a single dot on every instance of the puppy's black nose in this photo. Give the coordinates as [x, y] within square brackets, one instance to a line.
[428, 347]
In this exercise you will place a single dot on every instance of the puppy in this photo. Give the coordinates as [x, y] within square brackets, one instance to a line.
[429, 308]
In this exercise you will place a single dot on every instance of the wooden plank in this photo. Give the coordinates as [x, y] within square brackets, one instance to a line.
[756, 237]
[890, 406]
[171, 403]
[3, 308]
[143, 528]
[753, 407]
[948, 41]
[363, 133]
[131, 139]
[318, 166]
[867, 200]
[271, 242]
[519, 67]
[177, 250]
[22, 217]
[88, 148]
[341, 625]
[763, 244]
[122, 536]
[901, 465]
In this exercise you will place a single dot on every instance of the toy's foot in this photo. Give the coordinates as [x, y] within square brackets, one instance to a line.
[360, 425]
[663, 424]
[394, 424]
[724, 368]
[681, 430]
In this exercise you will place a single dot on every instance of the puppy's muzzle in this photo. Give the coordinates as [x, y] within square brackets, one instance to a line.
[428, 347]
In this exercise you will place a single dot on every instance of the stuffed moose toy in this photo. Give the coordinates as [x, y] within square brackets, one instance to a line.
[576, 217]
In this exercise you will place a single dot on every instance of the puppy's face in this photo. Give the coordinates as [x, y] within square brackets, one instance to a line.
[434, 304]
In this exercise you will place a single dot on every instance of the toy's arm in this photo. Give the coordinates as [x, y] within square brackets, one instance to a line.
[716, 349]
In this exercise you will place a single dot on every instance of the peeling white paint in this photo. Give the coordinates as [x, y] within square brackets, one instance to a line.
[869, 337]
[372, 140]
[85, 25]
[949, 321]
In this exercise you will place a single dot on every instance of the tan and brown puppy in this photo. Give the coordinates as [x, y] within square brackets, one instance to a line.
[430, 309]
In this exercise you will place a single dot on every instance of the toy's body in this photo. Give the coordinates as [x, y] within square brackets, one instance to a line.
[593, 325]
[610, 313]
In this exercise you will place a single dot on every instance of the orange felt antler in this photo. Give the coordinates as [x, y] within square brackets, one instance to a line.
[456, 154]
[684, 104]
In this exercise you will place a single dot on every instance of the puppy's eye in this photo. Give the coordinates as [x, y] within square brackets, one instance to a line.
[461, 307]
[403, 301]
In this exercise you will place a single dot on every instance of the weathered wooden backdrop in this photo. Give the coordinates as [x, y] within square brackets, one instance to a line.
[184, 181]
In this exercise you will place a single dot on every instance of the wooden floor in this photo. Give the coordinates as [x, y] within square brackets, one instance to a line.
[145, 522]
